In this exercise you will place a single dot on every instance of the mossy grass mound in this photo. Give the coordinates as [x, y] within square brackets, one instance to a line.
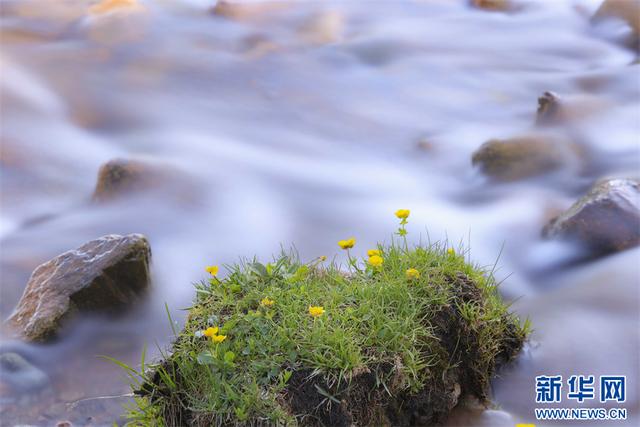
[315, 344]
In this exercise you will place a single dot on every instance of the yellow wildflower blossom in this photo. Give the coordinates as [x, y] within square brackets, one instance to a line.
[212, 269]
[267, 302]
[347, 244]
[376, 260]
[403, 213]
[412, 273]
[450, 251]
[211, 331]
[218, 338]
[323, 258]
[372, 252]
[316, 311]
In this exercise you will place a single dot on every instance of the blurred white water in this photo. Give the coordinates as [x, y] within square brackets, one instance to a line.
[299, 125]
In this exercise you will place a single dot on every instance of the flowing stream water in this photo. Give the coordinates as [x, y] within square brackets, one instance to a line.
[302, 123]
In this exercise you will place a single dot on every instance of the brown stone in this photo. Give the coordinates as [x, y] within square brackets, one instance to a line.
[492, 5]
[523, 157]
[103, 275]
[626, 10]
[554, 109]
[119, 177]
[244, 11]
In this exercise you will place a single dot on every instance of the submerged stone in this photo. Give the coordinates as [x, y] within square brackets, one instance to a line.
[118, 177]
[103, 275]
[556, 110]
[626, 10]
[605, 220]
[523, 157]
[493, 5]
[20, 375]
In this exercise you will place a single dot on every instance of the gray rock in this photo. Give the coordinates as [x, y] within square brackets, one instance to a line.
[525, 156]
[20, 375]
[548, 107]
[103, 275]
[605, 220]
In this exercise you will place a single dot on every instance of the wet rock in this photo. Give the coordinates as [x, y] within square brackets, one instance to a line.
[522, 157]
[548, 107]
[605, 220]
[553, 109]
[244, 11]
[20, 375]
[103, 275]
[492, 5]
[119, 177]
[626, 10]
[323, 28]
[257, 46]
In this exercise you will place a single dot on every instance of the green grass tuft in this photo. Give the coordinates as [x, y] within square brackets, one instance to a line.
[386, 350]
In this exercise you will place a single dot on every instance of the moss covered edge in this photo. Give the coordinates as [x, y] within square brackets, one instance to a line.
[398, 339]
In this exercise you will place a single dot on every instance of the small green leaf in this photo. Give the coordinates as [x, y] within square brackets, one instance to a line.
[259, 269]
[205, 358]
[241, 414]
[229, 356]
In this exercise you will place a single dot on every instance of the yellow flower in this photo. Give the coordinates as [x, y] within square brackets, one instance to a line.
[210, 331]
[376, 260]
[212, 269]
[412, 273]
[316, 311]
[266, 302]
[403, 213]
[372, 252]
[450, 251]
[347, 244]
[218, 338]
[323, 258]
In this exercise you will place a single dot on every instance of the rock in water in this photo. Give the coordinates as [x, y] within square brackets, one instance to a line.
[492, 5]
[103, 275]
[556, 110]
[118, 177]
[627, 10]
[122, 178]
[523, 157]
[20, 375]
[606, 219]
